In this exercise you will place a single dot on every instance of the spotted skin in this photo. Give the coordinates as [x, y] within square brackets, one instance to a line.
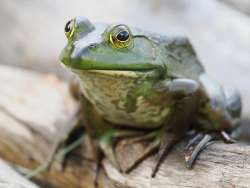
[112, 94]
[148, 81]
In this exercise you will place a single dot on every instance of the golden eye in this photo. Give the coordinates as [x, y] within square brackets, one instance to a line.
[69, 28]
[121, 36]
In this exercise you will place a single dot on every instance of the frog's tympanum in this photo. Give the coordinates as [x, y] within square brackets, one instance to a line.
[140, 84]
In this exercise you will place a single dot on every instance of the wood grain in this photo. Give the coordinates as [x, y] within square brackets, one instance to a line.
[30, 111]
[11, 179]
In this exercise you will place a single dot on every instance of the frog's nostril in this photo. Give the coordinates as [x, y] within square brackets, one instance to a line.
[92, 46]
[80, 53]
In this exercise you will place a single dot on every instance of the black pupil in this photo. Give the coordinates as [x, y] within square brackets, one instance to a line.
[123, 36]
[67, 27]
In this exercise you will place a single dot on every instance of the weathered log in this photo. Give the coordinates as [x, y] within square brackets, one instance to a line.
[31, 107]
[9, 178]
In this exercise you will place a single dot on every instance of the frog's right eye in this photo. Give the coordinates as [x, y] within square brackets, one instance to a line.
[120, 37]
[69, 28]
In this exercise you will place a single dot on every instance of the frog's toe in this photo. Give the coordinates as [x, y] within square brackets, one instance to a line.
[106, 144]
[154, 143]
[195, 146]
[108, 139]
[200, 141]
[154, 135]
[168, 140]
[227, 137]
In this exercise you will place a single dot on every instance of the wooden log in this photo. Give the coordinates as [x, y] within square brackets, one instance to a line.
[31, 107]
[9, 178]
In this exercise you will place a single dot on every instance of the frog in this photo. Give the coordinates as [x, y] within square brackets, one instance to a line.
[150, 86]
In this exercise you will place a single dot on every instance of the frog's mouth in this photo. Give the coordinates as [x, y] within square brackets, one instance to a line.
[122, 72]
[115, 73]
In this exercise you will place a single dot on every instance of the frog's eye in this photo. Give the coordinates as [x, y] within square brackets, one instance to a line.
[69, 28]
[121, 37]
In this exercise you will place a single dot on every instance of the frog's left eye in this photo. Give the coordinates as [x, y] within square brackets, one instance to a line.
[121, 36]
[69, 28]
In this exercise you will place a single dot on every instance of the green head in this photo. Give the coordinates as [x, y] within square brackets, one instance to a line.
[107, 47]
[117, 67]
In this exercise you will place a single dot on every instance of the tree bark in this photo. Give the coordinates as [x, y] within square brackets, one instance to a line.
[31, 109]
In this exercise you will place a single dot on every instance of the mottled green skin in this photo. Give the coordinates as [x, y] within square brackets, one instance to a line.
[121, 83]
[140, 83]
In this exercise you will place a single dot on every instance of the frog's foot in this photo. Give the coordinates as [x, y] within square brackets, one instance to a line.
[153, 139]
[226, 137]
[168, 140]
[199, 142]
[107, 142]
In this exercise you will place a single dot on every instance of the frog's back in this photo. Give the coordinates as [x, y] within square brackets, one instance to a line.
[179, 57]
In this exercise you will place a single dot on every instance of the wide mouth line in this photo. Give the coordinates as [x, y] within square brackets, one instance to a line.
[114, 70]
[121, 73]
[148, 69]
[110, 71]
[75, 65]
[143, 69]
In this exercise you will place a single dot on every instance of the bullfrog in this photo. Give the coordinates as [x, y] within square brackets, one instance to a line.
[134, 83]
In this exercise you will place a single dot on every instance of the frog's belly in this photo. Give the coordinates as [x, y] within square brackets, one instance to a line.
[110, 97]
[142, 118]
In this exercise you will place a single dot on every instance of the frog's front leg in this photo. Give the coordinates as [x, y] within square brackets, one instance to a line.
[106, 142]
[104, 135]
[184, 93]
[219, 114]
